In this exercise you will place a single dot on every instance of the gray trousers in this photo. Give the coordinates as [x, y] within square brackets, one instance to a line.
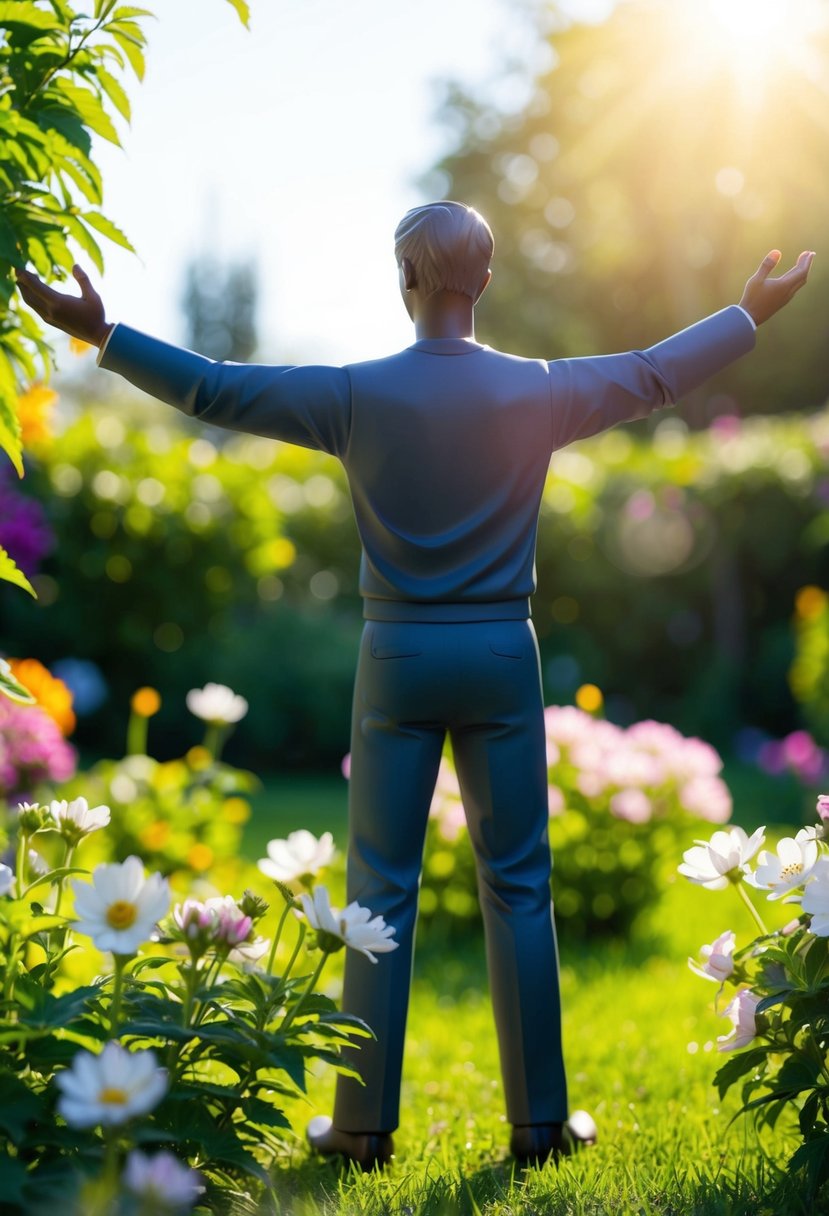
[480, 682]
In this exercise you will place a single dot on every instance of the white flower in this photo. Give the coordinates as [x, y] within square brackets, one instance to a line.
[815, 899]
[217, 704]
[790, 867]
[77, 819]
[301, 855]
[120, 907]
[744, 1027]
[352, 927]
[161, 1181]
[38, 865]
[6, 879]
[247, 953]
[111, 1087]
[722, 859]
[720, 964]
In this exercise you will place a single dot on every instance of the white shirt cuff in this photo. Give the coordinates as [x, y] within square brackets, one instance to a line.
[105, 343]
[748, 314]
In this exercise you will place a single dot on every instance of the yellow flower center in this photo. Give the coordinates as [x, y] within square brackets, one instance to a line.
[789, 871]
[121, 914]
[113, 1096]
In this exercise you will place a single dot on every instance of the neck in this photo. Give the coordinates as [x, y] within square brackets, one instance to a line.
[446, 314]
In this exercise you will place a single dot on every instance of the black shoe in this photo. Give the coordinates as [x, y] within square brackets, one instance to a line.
[365, 1149]
[535, 1143]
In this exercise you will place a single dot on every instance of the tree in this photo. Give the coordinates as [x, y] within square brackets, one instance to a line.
[219, 305]
[61, 73]
[659, 156]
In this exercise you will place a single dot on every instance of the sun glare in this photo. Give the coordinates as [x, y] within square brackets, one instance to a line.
[752, 39]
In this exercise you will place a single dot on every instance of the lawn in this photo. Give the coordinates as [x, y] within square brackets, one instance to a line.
[640, 1035]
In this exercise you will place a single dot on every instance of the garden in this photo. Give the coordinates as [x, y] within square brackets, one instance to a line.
[173, 805]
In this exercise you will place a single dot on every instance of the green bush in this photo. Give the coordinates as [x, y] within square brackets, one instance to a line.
[668, 567]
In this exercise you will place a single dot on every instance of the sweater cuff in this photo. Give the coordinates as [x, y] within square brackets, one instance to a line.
[105, 344]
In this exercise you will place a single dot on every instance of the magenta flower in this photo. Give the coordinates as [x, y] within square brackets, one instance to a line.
[25, 533]
[823, 806]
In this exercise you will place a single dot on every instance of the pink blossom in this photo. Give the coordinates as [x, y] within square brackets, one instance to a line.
[707, 797]
[631, 804]
[823, 806]
[564, 724]
[556, 804]
[719, 964]
[32, 750]
[591, 784]
[345, 767]
[741, 1011]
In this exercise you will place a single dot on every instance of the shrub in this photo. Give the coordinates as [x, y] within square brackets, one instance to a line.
[620, 801]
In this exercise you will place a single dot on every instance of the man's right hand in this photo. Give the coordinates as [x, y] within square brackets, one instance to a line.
[81, 318]
[764, 296]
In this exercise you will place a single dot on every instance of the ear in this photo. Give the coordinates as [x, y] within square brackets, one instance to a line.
[409, 276]
[484, 285]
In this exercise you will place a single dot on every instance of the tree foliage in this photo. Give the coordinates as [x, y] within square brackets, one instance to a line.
[644, 176]
[62, 76]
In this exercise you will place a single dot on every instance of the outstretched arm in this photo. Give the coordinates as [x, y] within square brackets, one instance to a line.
[309, 406]
[590, 395]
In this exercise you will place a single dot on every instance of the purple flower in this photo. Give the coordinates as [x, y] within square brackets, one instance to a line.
[25, 533]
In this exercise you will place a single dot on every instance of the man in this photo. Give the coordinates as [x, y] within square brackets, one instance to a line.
[446, 447]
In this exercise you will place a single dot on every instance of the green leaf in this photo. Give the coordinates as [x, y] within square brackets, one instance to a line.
[737, 1067]
[12, 688]
[114, 91]
[132, 48]
[243, 9]
[11, 444]
[106, 227]
[18, 1107]
[10, 573]
[24, 14]
[85, 103]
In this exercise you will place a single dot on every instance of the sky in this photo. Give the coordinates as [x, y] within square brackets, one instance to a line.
[297, 143]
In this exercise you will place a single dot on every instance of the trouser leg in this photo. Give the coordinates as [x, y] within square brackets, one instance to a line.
[394, 763]
[501, 764]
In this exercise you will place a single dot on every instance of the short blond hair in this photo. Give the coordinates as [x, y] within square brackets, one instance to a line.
[449, 245]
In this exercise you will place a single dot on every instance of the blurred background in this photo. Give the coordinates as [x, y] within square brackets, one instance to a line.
[636, 160]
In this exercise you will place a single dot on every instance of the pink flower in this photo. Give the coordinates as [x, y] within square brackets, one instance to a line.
[556, 804]
[719, 964]
[744, 1026]
[631, 804]
[707, 797]
[32, 750]
[823, 806]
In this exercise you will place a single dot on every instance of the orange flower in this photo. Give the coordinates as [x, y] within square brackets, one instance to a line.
[34, 409]
[51, 694]
[145, 702]
[78, 346]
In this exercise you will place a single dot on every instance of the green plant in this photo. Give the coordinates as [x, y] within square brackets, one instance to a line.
[779, 1011]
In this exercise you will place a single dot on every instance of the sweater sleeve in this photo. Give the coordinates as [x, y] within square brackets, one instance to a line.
[309, 406]
[590, 395]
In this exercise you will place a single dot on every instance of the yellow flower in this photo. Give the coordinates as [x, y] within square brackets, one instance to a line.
[145, 702]
[155, 835]
[51, 694]
[34, 409]
[589, 698]
[200, 856]
[237, 810]
[199, 758]
[810, 602]
[78, 346]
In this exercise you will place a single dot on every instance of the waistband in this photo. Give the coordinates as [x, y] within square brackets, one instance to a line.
[440, 613]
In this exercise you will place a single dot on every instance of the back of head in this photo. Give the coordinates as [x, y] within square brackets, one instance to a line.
[449, 245]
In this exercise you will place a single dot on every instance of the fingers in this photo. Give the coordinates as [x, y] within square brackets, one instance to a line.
[82, 279]
[768, 264]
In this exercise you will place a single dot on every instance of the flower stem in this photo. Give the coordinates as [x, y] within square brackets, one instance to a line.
[137, 735]
[753, 911]
[292, 1015]
[300, 939]
[121, 961]
[67, 861]
[22, 851]
[277, 936]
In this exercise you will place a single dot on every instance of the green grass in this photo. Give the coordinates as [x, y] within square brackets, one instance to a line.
[640, 1039]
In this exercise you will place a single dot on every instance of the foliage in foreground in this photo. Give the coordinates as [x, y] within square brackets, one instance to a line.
[780, 1011]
